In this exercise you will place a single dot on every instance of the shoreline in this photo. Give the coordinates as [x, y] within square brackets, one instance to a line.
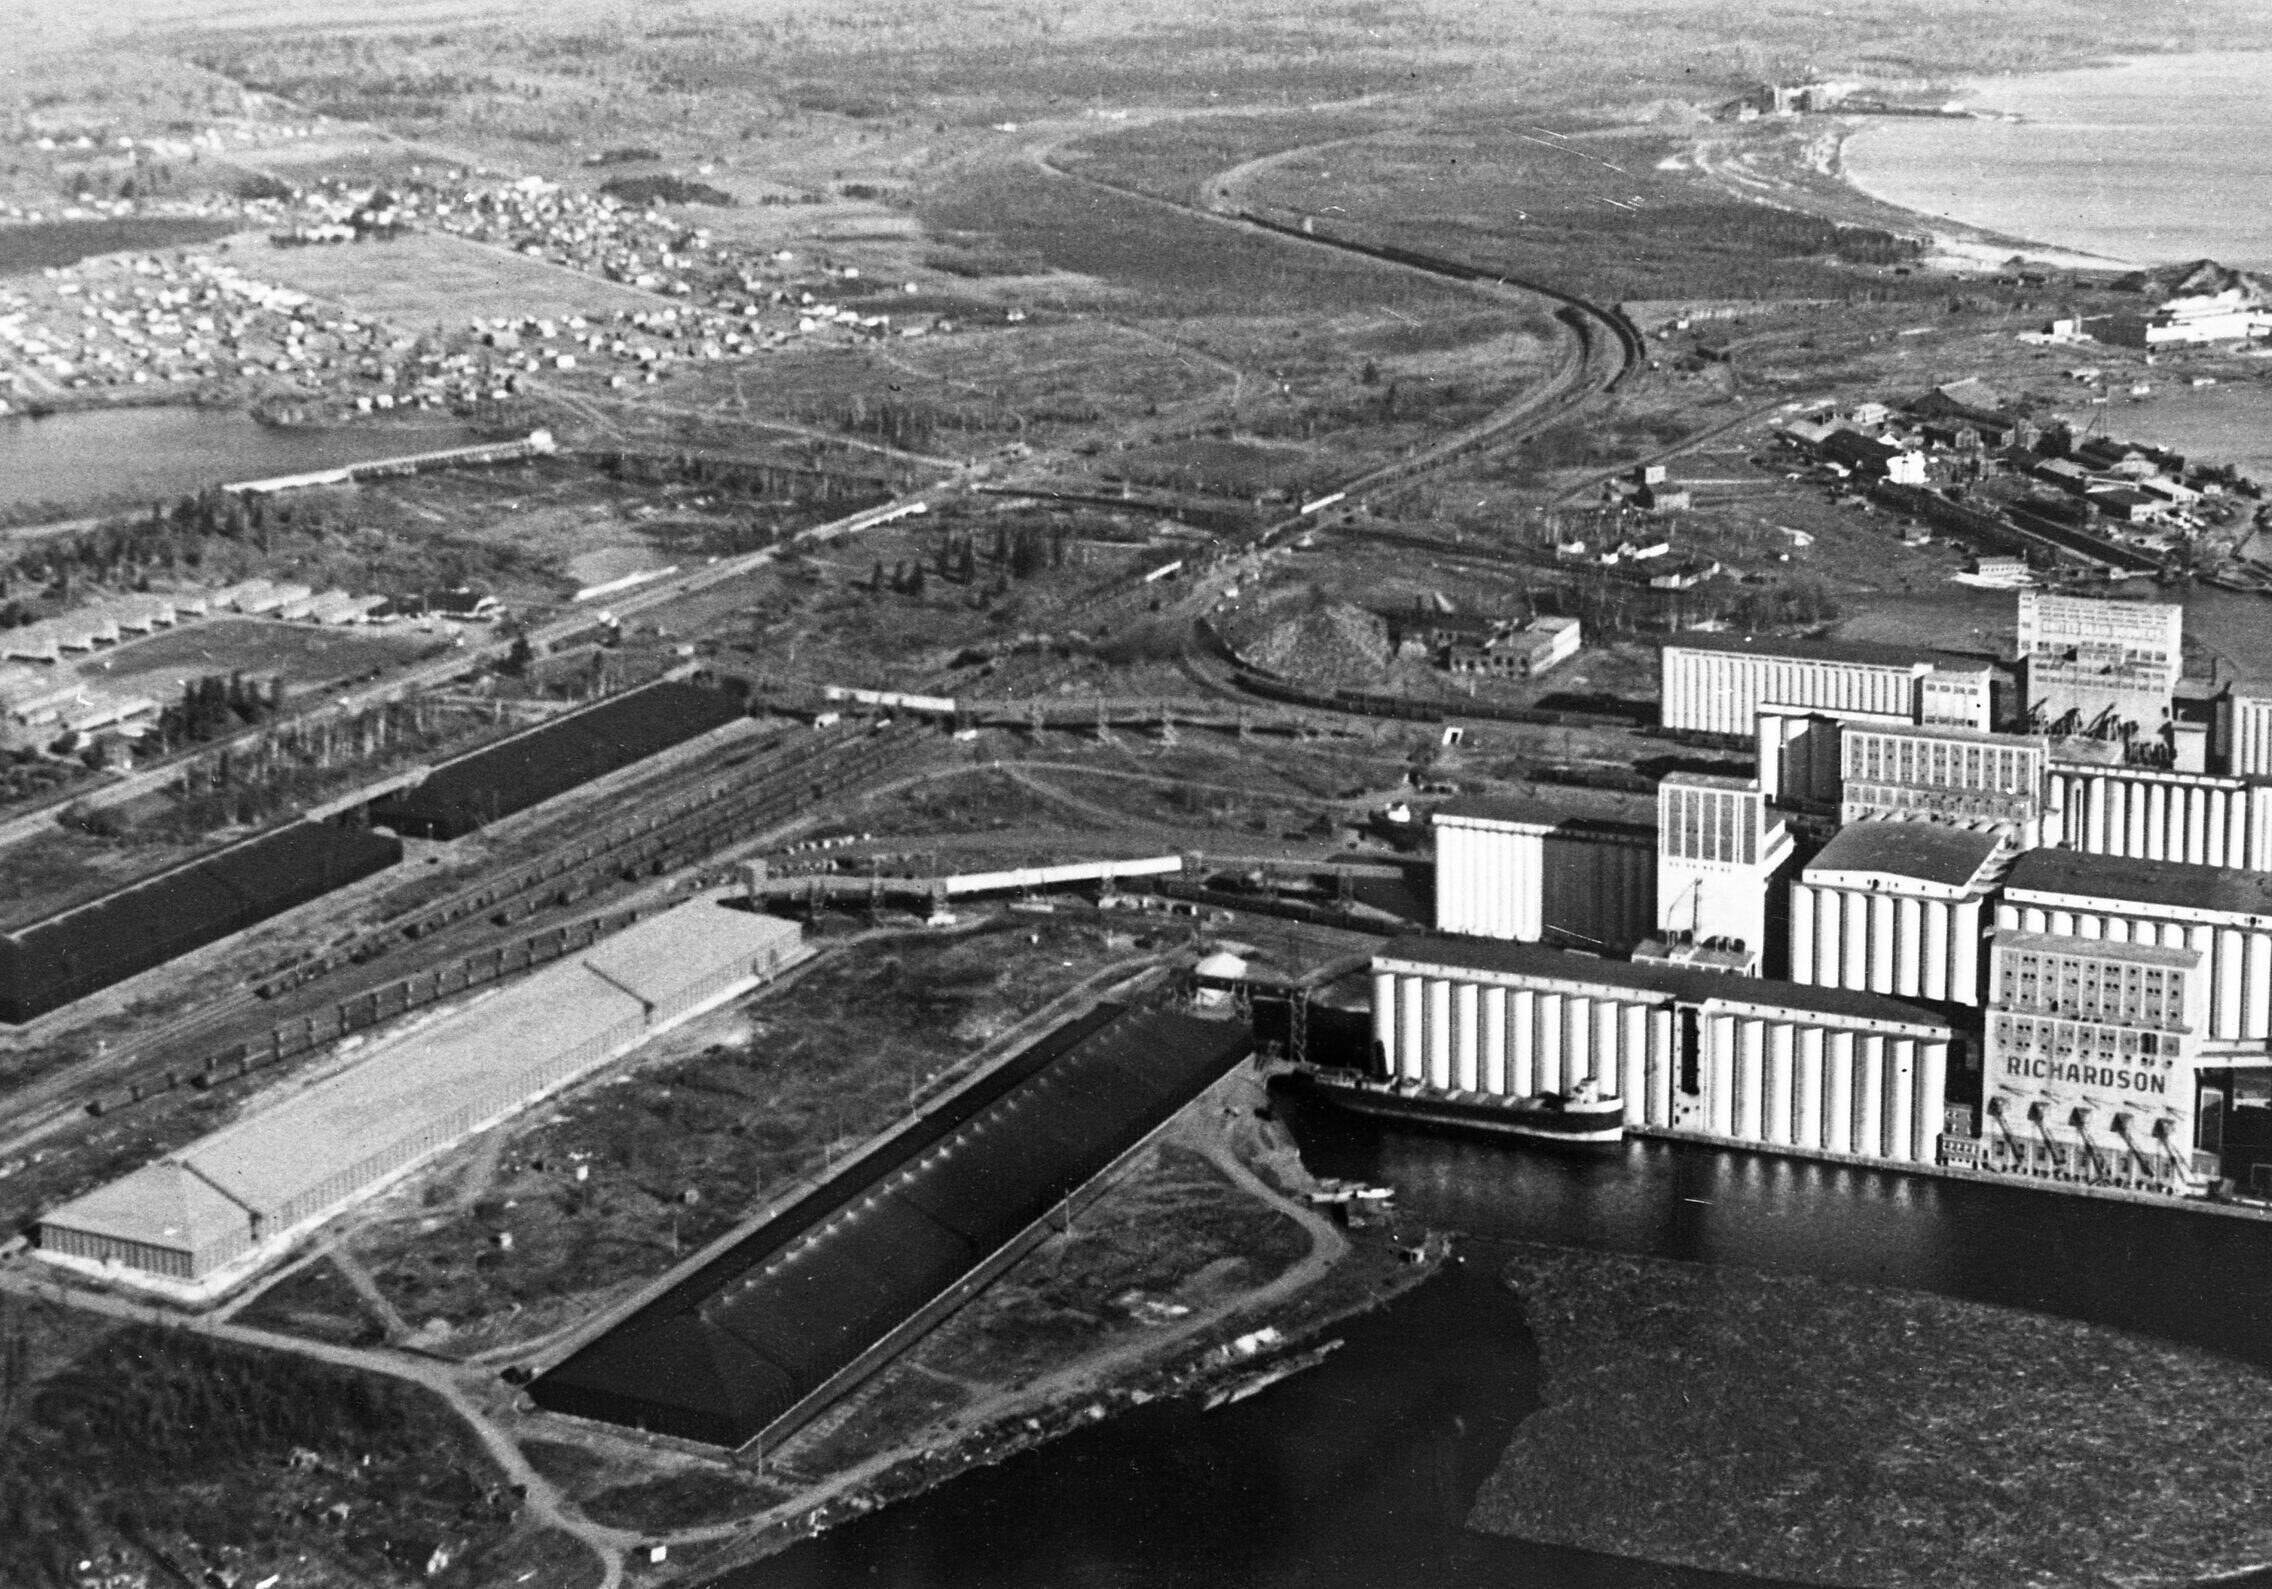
[2232, 71]
[1022, 1429]
[1356, 1272]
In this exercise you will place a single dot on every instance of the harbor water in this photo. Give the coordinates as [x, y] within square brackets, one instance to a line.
[2144, 162]
[1359, 1473]
[110, 455]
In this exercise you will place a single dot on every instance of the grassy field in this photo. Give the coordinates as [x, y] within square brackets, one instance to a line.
[1797, 1429]
[1170, 158]
[1610, 213]
[432, 278]
[1174, 266]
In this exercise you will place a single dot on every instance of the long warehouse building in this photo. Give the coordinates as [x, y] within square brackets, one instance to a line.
[1709, 1053]
[210, 1214]
[530, 768]
[756, 1343]
[63, 957]
[1717, 684]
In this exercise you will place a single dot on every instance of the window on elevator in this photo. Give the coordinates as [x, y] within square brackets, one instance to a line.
[2209, 1121]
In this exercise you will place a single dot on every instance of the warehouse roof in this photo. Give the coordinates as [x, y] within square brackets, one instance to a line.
[161, 1205]
[681, 946]
[1932, 852]
[2125, 880]
[147, 922]
[1856, 651]
[531, 767]
[277, 1156]
[1533, 812]
[429, 1086]
[2152, 954]
[1954, 734]
[1688, 987]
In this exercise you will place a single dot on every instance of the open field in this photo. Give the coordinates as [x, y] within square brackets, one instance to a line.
[1799, 1429]
[1611, 214]
[433, 279]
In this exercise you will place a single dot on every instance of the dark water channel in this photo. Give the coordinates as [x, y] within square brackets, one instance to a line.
[1357, 1474]
[102, 455]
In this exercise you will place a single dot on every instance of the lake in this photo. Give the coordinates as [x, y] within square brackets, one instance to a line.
[2148, 161]
[1359, 1473]
[112, 454]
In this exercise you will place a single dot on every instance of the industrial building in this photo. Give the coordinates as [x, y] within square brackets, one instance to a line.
[529, 768]
[1514, 869]
[2088, 664]
[206, 1216]
[1708, 1053]
[1717, 684]
[1895, 907]
[766, 1337]
[2223, 915]
[64, 956]
[1995, 782]
[2114, 631]
[1718, 850]
[2089, 1069]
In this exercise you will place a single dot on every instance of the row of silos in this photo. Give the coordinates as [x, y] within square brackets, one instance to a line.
[1464, 1035]
[1737, 1058]
[1881, 942]
[1512, 869]
[2156, 815]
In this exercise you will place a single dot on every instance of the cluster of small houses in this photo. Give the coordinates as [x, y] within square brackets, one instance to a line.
[36, 691]
[133, 321]
[737, 304]
[644, 343]
[1957, 434]
[121, 321]
[1648, 491]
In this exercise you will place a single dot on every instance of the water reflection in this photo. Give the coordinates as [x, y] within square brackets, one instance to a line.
[2188, 1276]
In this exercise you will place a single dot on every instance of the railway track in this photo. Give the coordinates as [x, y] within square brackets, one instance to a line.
[377, 973]
[742, 800]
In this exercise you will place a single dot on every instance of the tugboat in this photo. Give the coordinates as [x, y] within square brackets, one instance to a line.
[1582, 1116]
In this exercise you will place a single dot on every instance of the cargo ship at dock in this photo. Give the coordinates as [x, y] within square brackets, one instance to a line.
[1582, 1117]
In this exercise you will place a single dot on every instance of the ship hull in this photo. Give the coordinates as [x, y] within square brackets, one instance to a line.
[1598, 1124]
